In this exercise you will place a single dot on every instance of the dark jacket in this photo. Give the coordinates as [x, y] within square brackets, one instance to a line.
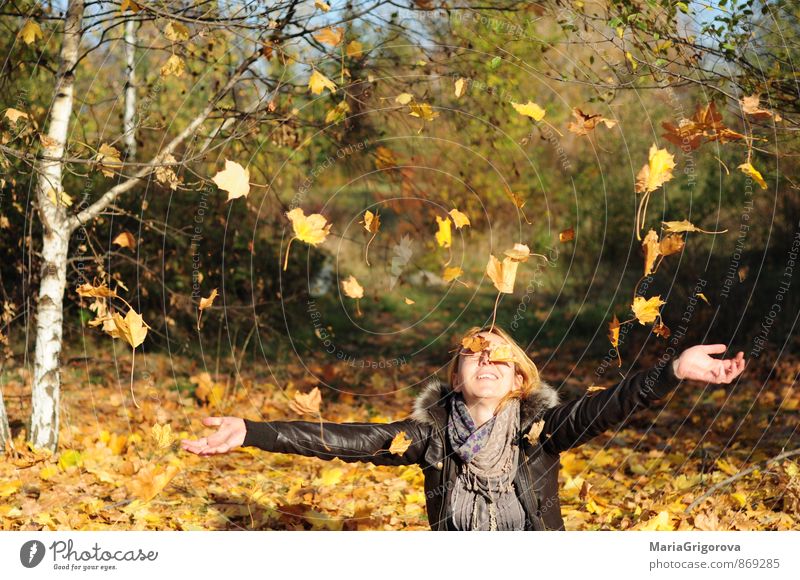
[561, 426]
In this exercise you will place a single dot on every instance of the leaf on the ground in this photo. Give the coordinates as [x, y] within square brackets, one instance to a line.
[161, 435]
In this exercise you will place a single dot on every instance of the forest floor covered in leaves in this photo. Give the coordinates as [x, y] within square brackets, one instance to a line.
[120, 467]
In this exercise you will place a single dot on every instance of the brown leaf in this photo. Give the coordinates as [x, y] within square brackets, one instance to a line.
[566, 235]
[307, 403]
[671, 244]
[613, 331]
[584, 123]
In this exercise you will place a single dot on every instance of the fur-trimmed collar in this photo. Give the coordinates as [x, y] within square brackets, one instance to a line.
[430, 406]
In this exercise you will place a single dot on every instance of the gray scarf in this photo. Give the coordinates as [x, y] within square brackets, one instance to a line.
[484, 497]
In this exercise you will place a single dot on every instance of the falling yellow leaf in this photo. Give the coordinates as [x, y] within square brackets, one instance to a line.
[161, 435]
[656, 172]
[321, 5]
[311, 229]
[451, 273]
[353, 49]
[351, 288]
[751, 171]
[459, 88]
[685, 226]
[88, 291]
[459, 218]
[234, 179]
[307, 403]
[613, 331]
[208, 302]
[176, 32]
[372, 222]
[404, 98]
[330, 35]
[125, 239]
[519, 253]
[318, 82]
[502, 275]
[423, 111]
[751, 106]
[30, 32]
[400, 444]
[132, 328]
[702, 297]
[337, 113]
[584, 123]
[671, 244]
[174, 66]
[530, 109]
[109, 159]
[408, 300]
[652, 249]
[646, 310]
[444, 235]
[384, 158]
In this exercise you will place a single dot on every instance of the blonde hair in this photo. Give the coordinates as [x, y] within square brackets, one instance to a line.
[523, 365]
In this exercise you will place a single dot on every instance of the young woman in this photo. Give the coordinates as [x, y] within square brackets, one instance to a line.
[489, 439]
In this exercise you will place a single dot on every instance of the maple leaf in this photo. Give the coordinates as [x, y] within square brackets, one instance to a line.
[652, 249]
[459, 219]
[444, 236]
[109, 159]
[451, 273]
[125, 240]
[318, 82]
[751, 171]
[686, 226]
[174, 66]
[88, 291]
[613, 331]
[656, 172]
[330, 35]
[646, 310]
[311, 229]
[234, 179]
[423, 111]
[502, 275]
[529, 109]
[132, 328]
[30, 32]
[307, 403]
[161, 435]
[584, 123]
[670, 244]
[474, 343]
[400, 444]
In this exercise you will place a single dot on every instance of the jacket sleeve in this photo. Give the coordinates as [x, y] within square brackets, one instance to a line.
[349, 442]
[576, 422]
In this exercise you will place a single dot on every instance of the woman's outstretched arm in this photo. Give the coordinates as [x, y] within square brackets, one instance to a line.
[576, 422]
[349, 442]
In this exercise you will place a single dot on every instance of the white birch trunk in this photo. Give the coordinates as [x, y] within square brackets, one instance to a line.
[5, 431]
[129, 115]
[46, 386]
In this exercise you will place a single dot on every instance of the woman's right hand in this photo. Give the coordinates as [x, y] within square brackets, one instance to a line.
[230, 435]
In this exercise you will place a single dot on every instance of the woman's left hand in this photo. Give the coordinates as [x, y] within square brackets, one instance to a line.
[695, 364]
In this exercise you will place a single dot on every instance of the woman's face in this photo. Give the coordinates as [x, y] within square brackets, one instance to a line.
[480, 380]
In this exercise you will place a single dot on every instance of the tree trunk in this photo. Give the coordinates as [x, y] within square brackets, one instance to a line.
[45, 395]
[129, 117]
[5, 431]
